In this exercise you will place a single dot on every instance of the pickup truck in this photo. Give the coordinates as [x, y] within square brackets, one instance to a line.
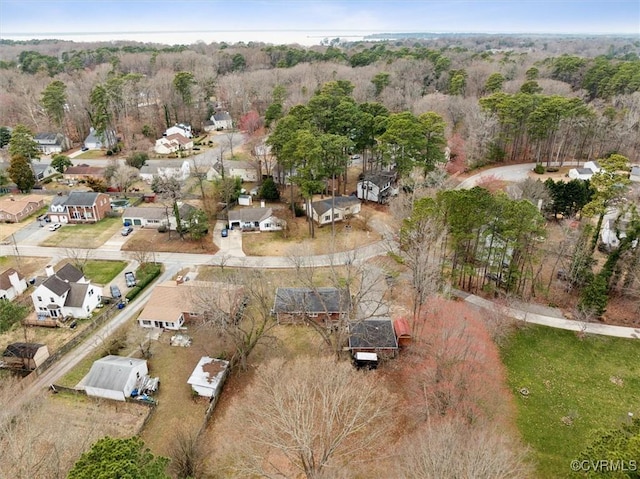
[130, 279]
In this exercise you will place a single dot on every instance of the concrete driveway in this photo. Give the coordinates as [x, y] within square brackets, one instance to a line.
[229, 246]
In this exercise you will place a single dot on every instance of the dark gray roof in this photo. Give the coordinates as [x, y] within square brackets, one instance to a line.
[76, 295]
[151, 213]
[584, 171]
[69, 273]
[48, 138]
[307, 300]
[322, 206]
[222, 116]
[22, 350]
[380, 178]
[250, 214]
[39, 167]
[56, 285]
[372, 334]
[111, 372]
[82, 198]
[59, 200]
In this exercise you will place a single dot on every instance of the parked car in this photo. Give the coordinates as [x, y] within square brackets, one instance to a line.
[126, 231]
[115, 291]
[54, 226]
[130, 278]
[85, 148]
[225, 232]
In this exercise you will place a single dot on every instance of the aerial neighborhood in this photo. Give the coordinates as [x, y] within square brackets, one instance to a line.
[347, 260]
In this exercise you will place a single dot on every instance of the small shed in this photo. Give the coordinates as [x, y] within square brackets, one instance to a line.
[208, 376]
[373, 336]
[403, 332]
[25, 355]
[114, 377]
[245, 200]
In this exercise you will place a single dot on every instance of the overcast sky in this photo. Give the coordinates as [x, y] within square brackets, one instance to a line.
[304, 21]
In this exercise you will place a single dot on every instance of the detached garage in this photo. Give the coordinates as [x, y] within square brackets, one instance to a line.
[114, 377]
[208, 377]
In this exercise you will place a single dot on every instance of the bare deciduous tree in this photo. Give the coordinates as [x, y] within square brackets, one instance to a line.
[188, 455]
[312, 416]
[453, 449]
[78, 257]
[124, 177]
[240, 309]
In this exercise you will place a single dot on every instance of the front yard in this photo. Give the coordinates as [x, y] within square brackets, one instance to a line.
[84, 236]
[151, 240]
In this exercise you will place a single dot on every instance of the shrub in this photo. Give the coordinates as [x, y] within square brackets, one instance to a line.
[162, 229]
[146, 273]
[299, 211]
[539, 169]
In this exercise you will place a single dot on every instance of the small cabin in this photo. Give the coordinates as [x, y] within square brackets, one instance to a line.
[25, 356]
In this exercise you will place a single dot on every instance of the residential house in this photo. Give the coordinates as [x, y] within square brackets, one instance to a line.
[175, 303]
[338, 208]
[634, 176]
[580, 173]
[15, 208]
[180, 170]
[11, 284]
[222, 120]
[373, 336]
[586, 172]
[181, 129]
[114, 377]
[173, 143]
[323, 305]
[377, 187]
[614, 229]
[52, 143]
[82, 172]
[79, 207]
[245, 170]
[208, 377]
[156, 216]
[43, 170]
[252, 219]
[65, 293]
[96, 141]
[25, 356]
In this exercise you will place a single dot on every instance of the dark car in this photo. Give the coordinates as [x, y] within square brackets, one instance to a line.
[85, 148]
[115, 291]
[224, 232]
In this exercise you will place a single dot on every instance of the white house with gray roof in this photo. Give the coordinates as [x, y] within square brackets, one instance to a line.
[252, 219]
[339, 208]
[65, 293]
[51, 143]
[97, 141]
[156, 216]
[114, 377]
[377, 186]
[221, 120]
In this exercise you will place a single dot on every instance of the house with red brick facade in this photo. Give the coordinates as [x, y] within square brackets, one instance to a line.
[79, 207]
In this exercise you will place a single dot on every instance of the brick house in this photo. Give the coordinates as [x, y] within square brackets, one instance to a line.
[79, 207]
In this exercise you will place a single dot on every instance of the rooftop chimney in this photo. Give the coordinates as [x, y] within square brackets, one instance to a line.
[49, 270]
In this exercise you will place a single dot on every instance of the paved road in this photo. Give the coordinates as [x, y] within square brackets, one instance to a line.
[69, 361]
[506, 173]
[207, 158]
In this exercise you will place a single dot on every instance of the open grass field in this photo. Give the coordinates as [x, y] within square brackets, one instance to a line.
[84, 236]
[576, 387]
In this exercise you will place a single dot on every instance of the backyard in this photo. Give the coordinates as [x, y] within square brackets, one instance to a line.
[568, 389]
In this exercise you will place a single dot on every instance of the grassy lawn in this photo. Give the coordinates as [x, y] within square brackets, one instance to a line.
[577, 387]
[103, 271]
[91, 155]
[84, 236]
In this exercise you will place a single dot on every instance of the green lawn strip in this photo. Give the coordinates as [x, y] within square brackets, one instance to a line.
[84, 236]
[103, 271]
[73, 377]
[567, 377]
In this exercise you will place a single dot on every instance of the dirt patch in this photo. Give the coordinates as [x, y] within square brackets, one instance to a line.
[348, 235]
[144, 239]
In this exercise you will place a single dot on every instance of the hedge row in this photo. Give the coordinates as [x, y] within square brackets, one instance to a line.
[146, 273]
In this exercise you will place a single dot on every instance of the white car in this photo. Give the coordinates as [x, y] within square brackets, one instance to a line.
[54, 226]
